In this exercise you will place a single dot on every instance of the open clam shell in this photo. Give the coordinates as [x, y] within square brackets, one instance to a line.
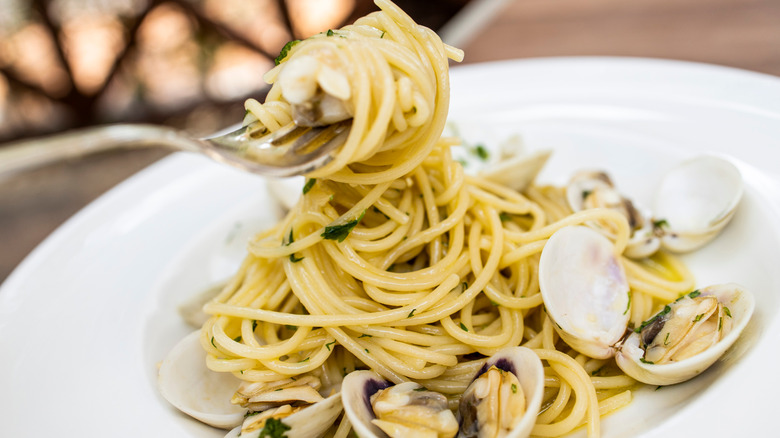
[310, 422]
[359, 387]
[695, 200]
[585, 290]
[738, 305]
[186, 382]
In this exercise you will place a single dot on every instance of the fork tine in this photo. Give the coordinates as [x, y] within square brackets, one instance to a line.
[320, 140]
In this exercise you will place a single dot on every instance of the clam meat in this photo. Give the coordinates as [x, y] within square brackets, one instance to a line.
[502, 401]
[586, 296]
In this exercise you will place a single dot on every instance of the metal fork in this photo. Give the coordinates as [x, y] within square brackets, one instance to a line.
[291, 150]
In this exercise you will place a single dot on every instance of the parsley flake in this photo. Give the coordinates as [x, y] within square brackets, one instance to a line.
[341, 231]
[643, 360]
[727, 311]
[309, 184]
[274, 428]
[286, 49]
[463, 327]
[329, 344]
[628, 306]
[411, 314]
[481, 152]
[514, 388]
[330, 32]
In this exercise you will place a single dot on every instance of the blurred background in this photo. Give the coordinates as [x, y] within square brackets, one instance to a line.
[67, 64]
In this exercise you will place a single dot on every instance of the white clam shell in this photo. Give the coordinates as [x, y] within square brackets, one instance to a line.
[740, 303]
[358, 387]
[585, 290]
[310, 422]
[186, 382]
[697, 199]
[527, 366]
[517, 171]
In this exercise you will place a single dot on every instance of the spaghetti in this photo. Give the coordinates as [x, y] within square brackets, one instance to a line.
[396, 260]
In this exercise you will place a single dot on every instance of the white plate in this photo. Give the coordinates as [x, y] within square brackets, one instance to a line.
[87, 316]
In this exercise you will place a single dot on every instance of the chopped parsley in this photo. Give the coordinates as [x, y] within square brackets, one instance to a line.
[643, 360]
[694, 294]
[290, 240]
[593, 373]
[463, 327]
[329, 344]
[481, 152]
[341, 231]
[237, 338]
[274, 428]
[660, 223]
[212, 342]
[254, 325]
[305, 360]
[666, 339]
[727, 311]
[586, 193]
[504, 216]
[514, 388]
[628, 306]
[285, 50]
[411, 314]
[720, 323]
[365, 335]
[309, 184]
[666, 310]
[383, 34]
[698, 317]
[330, 32]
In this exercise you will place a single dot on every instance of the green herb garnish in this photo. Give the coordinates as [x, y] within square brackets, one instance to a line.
[642, 359]
[666, 339]
[305, 360]
[329, 344]
[698, 317]
[330, 32]
[291, 327]
[463, 327]
[628, 306]
[514, 388]
[340, 232]
[365, 335]
[411, 314]
[727, 311]
[660, 223]
[274, 428]
[504, 216]
[212, 342]
[309, 184]
[666, 310]
[285, 50]
[481, 152]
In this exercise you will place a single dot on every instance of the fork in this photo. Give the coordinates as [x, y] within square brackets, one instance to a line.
[291, 150]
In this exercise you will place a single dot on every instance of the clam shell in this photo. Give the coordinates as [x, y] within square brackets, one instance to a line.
[741, 304]
[186, 382]
[697, 199]
[585, 290]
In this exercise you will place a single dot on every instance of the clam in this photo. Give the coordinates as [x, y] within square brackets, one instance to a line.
[295, 406]
[306, 421]
[586, 295]
[585, 290]
[318, 91]
[593, 189]
[516, 169]
[186, 382]
[687, 336]
[502, 401]
[693, 202]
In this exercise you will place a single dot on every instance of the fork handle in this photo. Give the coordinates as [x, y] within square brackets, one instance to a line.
[30, 154]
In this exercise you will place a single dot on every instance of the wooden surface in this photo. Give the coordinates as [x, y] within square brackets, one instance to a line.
[737, 33]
